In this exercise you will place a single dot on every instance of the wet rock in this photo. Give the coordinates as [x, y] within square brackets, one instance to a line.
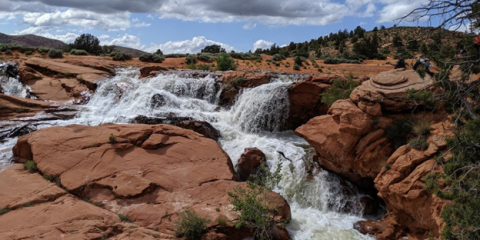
[150, 71]
[9, 69]
[157, 101]
[15, 107]
[249, 162]
[204, 128]
[149, 173]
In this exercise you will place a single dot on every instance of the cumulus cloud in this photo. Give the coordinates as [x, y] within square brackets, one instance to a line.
[195, 45]
[68, 37]
[262, 44]
[126, 40]
[102, 6]
[395, 9]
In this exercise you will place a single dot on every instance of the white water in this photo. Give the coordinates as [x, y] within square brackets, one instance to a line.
[315, 203]
[14, 87]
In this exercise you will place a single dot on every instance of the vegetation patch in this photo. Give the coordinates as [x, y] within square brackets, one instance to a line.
[78, 52]
[225, 62]
[190, 226]
[30, 165]
[54, 53]
[155, 58]
[341, 89]
[419, 143]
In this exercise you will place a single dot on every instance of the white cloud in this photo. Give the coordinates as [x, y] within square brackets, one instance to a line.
[195, 45]
[150, 16]
[142, 24]
[127, 40]
[249, 26]
[395, 9]
[262, 44]
[43, 31]
[104, 36]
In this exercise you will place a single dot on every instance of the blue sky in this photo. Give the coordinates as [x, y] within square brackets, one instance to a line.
[189, 25]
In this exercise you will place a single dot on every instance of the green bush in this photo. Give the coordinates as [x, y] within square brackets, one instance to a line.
[191, 59]
[204, 67]
[174, 55]
[78, 52]
[43, 50]
[112, 138]
[206, 57]
[225, 62]
[296, 67]
[418, 143]
[192, 66]
[340, 60]
[190, 226]
[9, 46]
[421, 72]
[54, 53]
[28, 52]
[246, 56]
[119, 56]
[8, 52]
[422, 97]
[278, 57]
[398, 132]
[124, 217]
[155, 58]
[30, 166]
[341, 89]
[253, 202]
[26, 49]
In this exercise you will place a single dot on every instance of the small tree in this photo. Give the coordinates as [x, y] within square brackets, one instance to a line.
[253, 202]
[213, 49]
[88, 43]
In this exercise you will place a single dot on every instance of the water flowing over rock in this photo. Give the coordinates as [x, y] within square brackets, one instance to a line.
[233, 82]
[389, 90]
[149, 173]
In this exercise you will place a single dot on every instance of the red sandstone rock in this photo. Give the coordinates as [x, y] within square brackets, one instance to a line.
[234, 81]
[150, 173]
[14, 107]
[249, 161]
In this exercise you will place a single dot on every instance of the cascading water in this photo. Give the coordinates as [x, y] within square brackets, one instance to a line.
[12, 86]
[254, 121]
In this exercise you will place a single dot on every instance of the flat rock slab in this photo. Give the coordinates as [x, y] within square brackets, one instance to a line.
[60, 67]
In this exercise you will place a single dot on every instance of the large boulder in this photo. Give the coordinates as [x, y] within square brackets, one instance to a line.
[305, 99]
[249, 162]
[389, 90]
[335, 136]
[150, 173]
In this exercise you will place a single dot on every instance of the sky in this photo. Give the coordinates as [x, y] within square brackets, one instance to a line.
[187, 26]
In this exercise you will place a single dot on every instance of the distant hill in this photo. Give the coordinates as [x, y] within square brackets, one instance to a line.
[31, 40]
[35, 41]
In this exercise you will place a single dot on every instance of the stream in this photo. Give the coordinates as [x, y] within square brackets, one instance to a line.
[255, 120]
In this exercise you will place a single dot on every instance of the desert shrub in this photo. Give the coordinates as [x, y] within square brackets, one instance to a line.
[246, 56]
[253, 202]
[191, 59]
[340, 60]
[296, 67]
[206, 57]
[225, 62]
[190, 226]
[155, 58]
[8, 52]
[119, 56]
[298, 60]
[28, 52]
[204, 67]
[421, 127]
[422, 97]
[30, 166]
[124, 217]
[112, 138]
[54, 53]
[9, 46]
[192, 66]
[418, 143]
[175, 55]
[398, 132]
[278, 57]
[341, 89]
[26, 49]
[43, 50]
[421, 72]
[49, 177]
[78, 52]
[4, 210]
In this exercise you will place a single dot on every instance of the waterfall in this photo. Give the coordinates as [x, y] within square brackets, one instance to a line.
[255, 120]
[12, 86]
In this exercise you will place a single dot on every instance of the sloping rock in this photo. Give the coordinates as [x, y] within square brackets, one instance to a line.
[389, 90]
[13, 107]
[150, 173]
[151, 70]
[305, 100]
[234, 81]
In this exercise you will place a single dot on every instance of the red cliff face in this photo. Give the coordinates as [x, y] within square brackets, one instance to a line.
[350, 141]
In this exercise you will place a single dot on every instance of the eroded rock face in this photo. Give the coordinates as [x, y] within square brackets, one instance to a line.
[335, 137]
[234, 81]
[388, 90]
[150, 173]
[249, 162]
[305, 100]
[13, 107]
